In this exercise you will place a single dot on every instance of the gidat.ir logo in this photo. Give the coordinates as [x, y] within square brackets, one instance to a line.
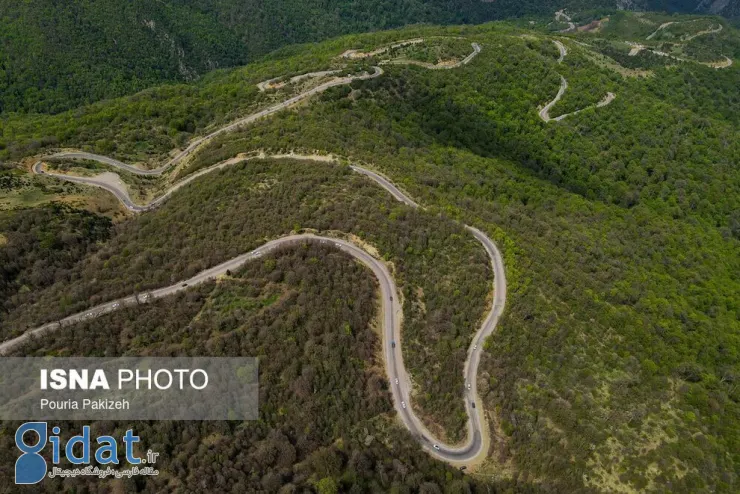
[31, 467]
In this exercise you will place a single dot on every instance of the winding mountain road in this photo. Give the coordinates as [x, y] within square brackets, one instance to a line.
[276, 82]
[559, 15]
[475, 448]
[249, 119]
[544, 112]
[439, 66]
[196, 143]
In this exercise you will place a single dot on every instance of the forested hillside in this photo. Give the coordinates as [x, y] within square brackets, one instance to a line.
[58, 55]
[326, 423]
[615, 367]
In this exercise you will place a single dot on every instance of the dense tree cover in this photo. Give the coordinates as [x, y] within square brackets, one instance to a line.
[41, 246]
[151, 123]
[57, 55]
[624, 161]
[443, 273]
[616, 364]
[326, 422]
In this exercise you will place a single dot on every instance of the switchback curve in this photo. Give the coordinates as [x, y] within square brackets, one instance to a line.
[544, 113]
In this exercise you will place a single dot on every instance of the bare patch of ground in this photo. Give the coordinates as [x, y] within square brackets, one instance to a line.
[593, 26]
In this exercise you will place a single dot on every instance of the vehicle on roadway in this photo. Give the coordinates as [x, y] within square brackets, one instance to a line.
[472, 404]
[403, 404]
[475, 347]
[468, 386]
[396, 380]
[89, 314]
[393, 344]
[116, 305]
[436, 446]
[184, 284]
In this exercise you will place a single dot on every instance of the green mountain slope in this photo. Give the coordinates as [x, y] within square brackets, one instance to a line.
[57, 55]
[616, 365]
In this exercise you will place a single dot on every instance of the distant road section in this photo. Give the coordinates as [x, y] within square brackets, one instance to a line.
[439, 66]
[544, 112]
[277, 82]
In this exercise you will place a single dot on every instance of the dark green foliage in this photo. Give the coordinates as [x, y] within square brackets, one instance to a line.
[58, 55]
[41, 246]
[55, 55]
[325, 412]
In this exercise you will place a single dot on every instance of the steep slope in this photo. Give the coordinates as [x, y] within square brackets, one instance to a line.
[54, 55]
[57, 55]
